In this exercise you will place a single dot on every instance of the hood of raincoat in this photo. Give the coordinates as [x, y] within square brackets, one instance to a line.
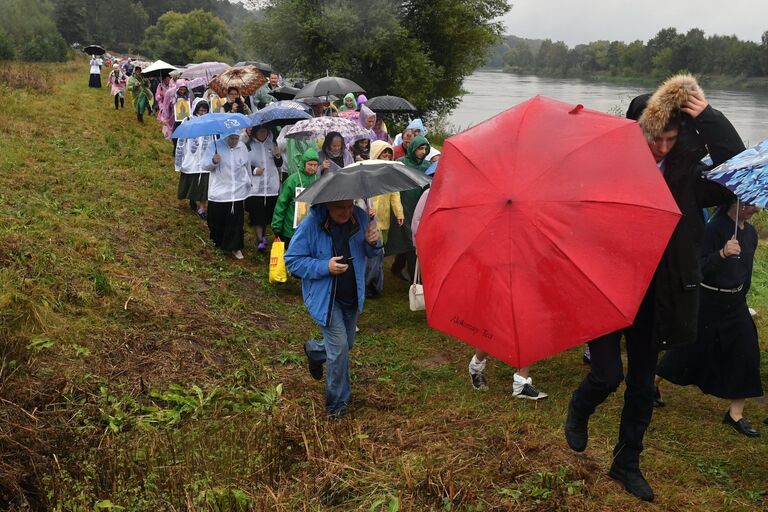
[378, 147]
[411, 161]
[181, 82]
[354, 102]
[433, 153]
[361, 99]
[365, 114]
[198, 102]
[309, 155]
[416, 124]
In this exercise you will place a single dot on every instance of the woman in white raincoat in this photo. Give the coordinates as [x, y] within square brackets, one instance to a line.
[193, 179]
[229, 185]
[266, 160]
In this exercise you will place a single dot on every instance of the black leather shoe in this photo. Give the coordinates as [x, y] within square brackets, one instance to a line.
[657, 401]
[742, 426]
[576, 431]
[634, 482]
[315, 369]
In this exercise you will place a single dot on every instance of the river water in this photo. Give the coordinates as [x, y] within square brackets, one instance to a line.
[491, 92]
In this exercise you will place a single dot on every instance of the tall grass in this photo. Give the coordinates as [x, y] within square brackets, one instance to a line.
[140, 369]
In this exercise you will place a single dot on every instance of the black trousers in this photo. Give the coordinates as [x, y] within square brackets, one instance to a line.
[607, 373]
[405, 259]
[225, 224]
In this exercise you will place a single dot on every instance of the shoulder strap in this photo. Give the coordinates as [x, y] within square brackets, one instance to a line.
[417, 274]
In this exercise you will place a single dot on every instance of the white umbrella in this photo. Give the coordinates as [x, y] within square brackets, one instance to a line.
[159, 65]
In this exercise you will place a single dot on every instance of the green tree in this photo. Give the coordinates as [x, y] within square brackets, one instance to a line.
[71, 17]
[7, 50]
[45, 47]
[416, 48]
[176, 37]
[519, 59]
[30, 26]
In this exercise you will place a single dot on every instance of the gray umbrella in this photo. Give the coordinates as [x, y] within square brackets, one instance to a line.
[328, 85]
[365, 179]
[390, 105]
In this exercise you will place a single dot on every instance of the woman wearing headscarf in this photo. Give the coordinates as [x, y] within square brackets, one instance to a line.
[95, 71]
[349, 103]
[361, 150]
[229, 185]
[400, 241]
[334, 155]
[266, 160]
[142, 96]
[380, 130]
[367, 120]
[117, 81]
[193, 179]
[725, 360]
[165, 83]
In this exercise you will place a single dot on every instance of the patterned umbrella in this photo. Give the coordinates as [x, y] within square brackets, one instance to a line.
[746, 175]
[350, 114]
[205, 70]
[247, 79]
[281, 113]
[318, 127]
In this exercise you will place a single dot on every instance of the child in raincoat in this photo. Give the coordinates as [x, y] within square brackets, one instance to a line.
[283, 225]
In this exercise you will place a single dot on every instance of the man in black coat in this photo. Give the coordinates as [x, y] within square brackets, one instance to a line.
[681, 128]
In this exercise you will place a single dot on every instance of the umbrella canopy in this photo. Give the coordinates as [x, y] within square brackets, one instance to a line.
[350, 114]
[746, 175]
[94, 49]
[284, 93]
[328, 85]
[247, 79]
[390, 105]
[263, 66]
[281, 113]
[205, 70]
[318, 127]
[158, 67]
[363, 179]
[570, 216]
[318, 100]
[211, 124]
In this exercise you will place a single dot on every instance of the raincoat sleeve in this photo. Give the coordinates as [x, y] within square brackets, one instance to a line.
[281, 207]
[299, 258]
[719, 135]
[207, 161]
[396, 205]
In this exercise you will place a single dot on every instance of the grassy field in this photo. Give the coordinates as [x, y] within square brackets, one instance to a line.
[140, 369]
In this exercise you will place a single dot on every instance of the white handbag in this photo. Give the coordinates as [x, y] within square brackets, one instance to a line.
[416, 292]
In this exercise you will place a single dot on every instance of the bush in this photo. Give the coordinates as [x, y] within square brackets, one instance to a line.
[7, 51]
[48, 47]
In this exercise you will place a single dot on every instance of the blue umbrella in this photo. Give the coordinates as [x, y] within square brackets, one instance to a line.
[281, 113]
[211, 124]
[432, 168]
[746, 175]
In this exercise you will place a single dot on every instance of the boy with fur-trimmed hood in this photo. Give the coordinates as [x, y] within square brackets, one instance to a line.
[681, 128]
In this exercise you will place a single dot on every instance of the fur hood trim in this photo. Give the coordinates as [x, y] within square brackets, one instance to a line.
[668, 98]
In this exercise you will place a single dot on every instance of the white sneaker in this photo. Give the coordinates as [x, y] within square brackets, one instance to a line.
[238, 254]
[524, 388]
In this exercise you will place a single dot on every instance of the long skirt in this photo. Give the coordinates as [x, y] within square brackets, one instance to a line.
[94, 80]
[193, 186]
[225, 224]
[260, 210]
[725, 360]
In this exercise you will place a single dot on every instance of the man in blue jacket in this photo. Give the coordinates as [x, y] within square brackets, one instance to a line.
[328, 253]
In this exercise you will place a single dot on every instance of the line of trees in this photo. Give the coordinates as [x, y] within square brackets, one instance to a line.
[669, 51]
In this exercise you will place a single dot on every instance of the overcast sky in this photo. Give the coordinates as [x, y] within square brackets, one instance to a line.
[582, 21]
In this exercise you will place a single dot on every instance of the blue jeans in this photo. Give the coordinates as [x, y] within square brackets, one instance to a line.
[374, 272]
[333, 350]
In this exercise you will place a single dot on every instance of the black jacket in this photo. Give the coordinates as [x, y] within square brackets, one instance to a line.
[676, 281]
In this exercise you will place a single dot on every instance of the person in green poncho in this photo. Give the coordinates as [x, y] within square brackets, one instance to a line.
[400, 242]
[349, 103]
[142, 96]
[282, 219]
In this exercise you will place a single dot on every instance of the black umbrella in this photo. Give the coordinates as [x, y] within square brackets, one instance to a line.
[390, 105]
[365, 179]
[284, 93]
[263, 66]
[94, 49]
[328, 85]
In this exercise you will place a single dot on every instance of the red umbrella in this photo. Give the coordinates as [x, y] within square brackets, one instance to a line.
[543, 229]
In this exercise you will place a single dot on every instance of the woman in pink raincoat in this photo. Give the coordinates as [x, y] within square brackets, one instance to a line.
[117, 81]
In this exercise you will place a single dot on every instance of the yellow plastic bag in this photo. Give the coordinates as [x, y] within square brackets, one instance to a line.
[277, 273]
